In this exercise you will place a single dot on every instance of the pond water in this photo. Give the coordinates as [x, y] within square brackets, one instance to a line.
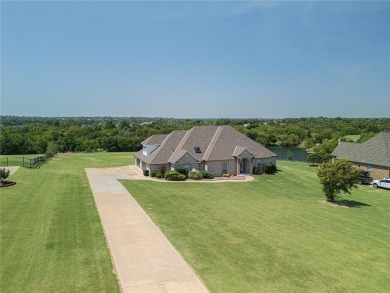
[299, 154]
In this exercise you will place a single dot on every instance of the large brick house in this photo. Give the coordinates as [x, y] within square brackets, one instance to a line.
[372, 156]
[218, 149]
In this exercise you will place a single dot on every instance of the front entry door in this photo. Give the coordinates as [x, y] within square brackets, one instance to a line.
[245, 166]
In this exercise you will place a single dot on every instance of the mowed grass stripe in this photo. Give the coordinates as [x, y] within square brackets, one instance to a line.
[51, 235]
[274, 234]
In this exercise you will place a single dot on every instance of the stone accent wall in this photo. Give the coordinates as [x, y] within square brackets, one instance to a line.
[187, 159]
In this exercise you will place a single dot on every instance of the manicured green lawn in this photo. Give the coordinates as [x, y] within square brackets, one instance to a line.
[274, 234]
[51, 236]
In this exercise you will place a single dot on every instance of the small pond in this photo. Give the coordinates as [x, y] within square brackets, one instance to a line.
[299, 154]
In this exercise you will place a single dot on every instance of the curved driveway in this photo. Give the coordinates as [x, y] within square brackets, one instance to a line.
[144, 259]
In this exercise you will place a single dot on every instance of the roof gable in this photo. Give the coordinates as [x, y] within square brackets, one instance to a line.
[162, 154]
[177, 155]
[239, 150]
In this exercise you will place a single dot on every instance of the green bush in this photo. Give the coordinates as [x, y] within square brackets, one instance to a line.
[159, 175]
[207, 174]
[4, 174]
[269, 169]
[173, 175]
[195, 175]
[182, 171]
[155, 174]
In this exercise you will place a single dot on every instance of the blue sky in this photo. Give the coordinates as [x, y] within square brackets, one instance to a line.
[195, 59]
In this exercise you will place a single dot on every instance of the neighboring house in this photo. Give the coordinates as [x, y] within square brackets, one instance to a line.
[372, 156]
[218, 149]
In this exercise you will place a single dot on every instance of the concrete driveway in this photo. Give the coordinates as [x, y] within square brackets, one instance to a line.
[144, 259]
[12, 169]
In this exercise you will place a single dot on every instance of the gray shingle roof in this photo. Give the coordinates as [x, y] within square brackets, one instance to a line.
[375, 151]
[215, 143]
[155, 139]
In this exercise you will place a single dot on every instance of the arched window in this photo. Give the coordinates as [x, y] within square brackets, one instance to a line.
[225, 167]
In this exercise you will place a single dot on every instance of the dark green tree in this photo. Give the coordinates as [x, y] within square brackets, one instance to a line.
[315, 158]
[337, 176]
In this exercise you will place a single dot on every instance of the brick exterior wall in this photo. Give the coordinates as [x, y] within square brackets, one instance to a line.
[376, 172]
[262, 162]
[215, 167]
[156, 168]
[379, 173]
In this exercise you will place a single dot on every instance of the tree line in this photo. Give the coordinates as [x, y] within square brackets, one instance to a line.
[38, 135]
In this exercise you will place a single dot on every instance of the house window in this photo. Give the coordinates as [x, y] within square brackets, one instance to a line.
[197, 149]
[258, 164]
[225, 167]
[187, 167]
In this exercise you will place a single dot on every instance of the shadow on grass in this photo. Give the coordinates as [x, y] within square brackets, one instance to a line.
[349, 203]
[315, 165]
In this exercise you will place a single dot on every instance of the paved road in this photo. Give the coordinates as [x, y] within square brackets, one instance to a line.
[144, 259]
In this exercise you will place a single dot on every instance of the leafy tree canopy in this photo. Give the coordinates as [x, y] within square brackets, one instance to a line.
[337, 176]
[32, 135]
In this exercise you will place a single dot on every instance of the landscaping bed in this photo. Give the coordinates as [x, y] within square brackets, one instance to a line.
[232, 177]
[7, 183]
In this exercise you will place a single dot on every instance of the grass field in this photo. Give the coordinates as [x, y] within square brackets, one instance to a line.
[353, 138]
[270, 235]
[275, 234]
[51, 236]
